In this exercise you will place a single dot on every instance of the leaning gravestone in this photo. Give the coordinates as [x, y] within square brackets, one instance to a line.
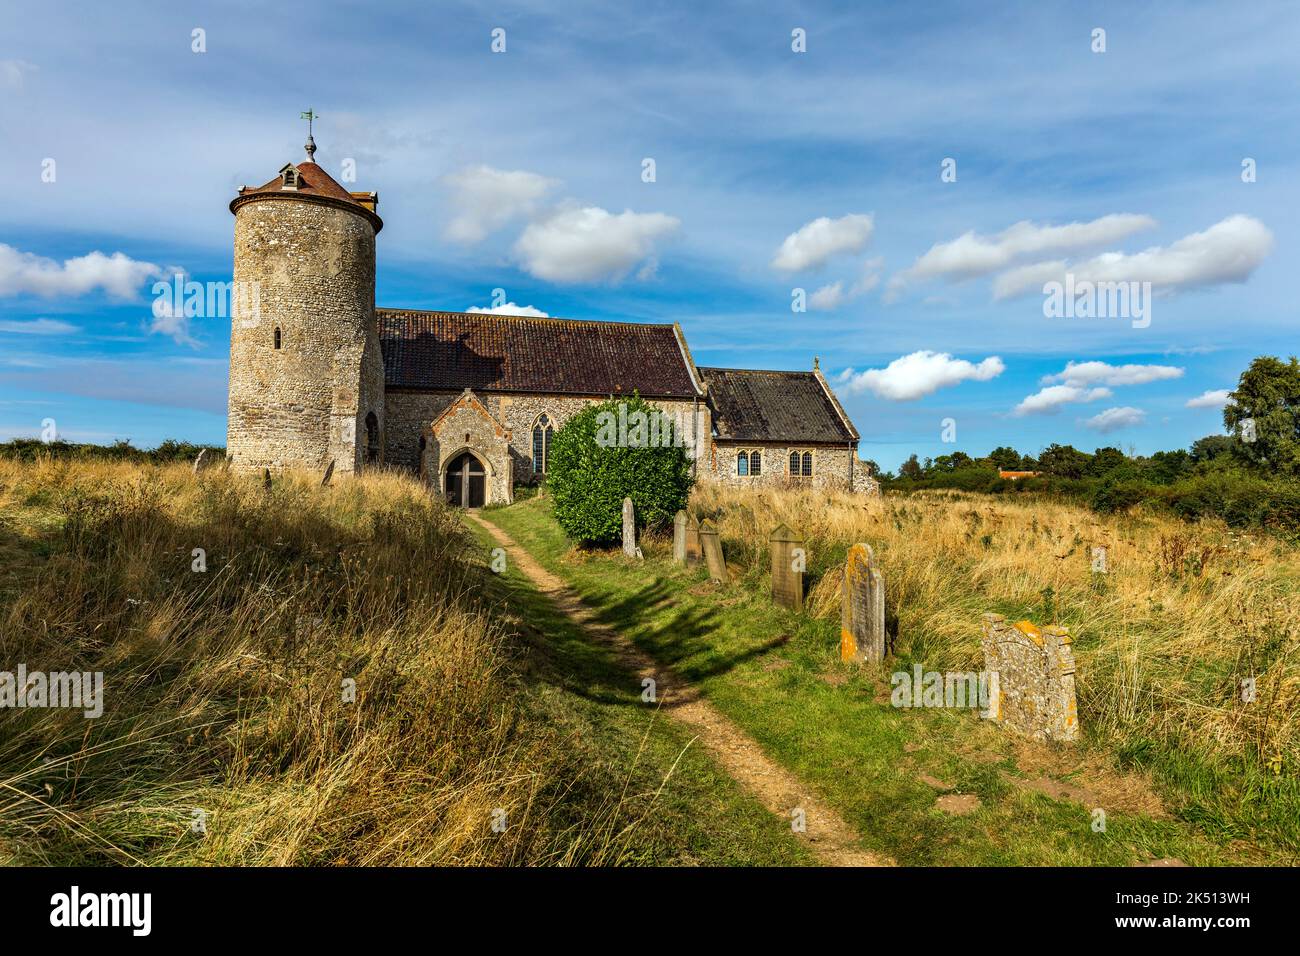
[629, 528]
[201, 462]
[711, 545]
[787, 568]
[679, 538]
[1033, 692]
[862, 607]
[329, 473]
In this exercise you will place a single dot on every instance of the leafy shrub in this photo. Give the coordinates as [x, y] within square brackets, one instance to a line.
[589, 478]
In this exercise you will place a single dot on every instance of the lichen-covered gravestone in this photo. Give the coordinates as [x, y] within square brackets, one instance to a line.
[787, 568]
[1033, 692]
[712, 548]
[862, 607]
[629, 528]
[679, 538]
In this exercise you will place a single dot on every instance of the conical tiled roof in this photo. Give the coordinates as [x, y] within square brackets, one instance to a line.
[316, 183]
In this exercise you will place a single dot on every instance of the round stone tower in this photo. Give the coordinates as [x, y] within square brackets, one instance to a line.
[306, 374]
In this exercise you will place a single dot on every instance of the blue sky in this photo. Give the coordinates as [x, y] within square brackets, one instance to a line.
[774, 170]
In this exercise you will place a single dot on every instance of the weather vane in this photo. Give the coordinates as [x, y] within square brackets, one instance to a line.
[309, 116]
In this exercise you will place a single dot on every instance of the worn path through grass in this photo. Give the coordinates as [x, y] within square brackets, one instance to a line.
[828, 835]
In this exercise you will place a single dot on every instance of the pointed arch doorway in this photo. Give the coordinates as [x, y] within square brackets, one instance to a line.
[466, 482]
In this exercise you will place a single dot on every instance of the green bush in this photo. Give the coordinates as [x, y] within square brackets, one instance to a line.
[30, 449]
[592, 468]
[1115, 496]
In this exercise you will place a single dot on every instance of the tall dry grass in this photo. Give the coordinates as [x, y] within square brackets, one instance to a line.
[1163, 640]
[224, 689]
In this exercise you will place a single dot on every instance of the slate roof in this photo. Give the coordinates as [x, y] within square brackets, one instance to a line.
[760, 406]
[510, 353]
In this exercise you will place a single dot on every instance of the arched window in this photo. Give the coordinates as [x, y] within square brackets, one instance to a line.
[372, 439]
[794, 464]
[742, 463]
[807, 464]
[542, 431]
[277, 337]
[755, 463]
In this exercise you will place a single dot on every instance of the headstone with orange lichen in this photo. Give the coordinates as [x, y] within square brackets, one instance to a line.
[862, 607]
[1033, 692]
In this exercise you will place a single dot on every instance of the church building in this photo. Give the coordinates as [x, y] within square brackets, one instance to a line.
[470, 401]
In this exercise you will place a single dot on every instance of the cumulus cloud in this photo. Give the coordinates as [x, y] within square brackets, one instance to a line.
[485, 199]
[509, 308]
[919, 374]
[118, 275]
[588, 244]
[822, 239]
[1051, 398]
[1215, 398]
[837, 294]
[1101, 373]
[973, 255]
[1087, 382]
[39, 327]
[1113, 419]
[1228, 251]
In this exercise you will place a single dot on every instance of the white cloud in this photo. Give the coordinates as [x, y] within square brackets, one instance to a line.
[1228, 251]
[973, 255]
[171, 323]
[1113, 419]
[815, 243]
[919, 374]
[1050, 399]
[13, 73]
[835, 295]
[39, 327]
[118, 275]
[486, 199]
[1215, 398]
[587, 244]
[1100, 373]
[509, 309]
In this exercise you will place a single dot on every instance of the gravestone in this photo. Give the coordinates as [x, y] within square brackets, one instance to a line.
[787, 568]
[862, 607]
[679, 538]
[693, 552]
[1033, 692]
[329, 473]
[711, 545]
[201, 462]
[266, 479]
[629, 528]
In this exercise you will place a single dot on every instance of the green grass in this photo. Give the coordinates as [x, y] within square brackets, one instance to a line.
[686, 810]
[777, 675]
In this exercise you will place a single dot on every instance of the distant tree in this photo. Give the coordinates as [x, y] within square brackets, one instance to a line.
[910, 468]
[1005, 458]
[1269, 394]
[947, 464]
[1063, 461]
[1104, 461]
[1166, 467]
[872, 467]
[1211, 447]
